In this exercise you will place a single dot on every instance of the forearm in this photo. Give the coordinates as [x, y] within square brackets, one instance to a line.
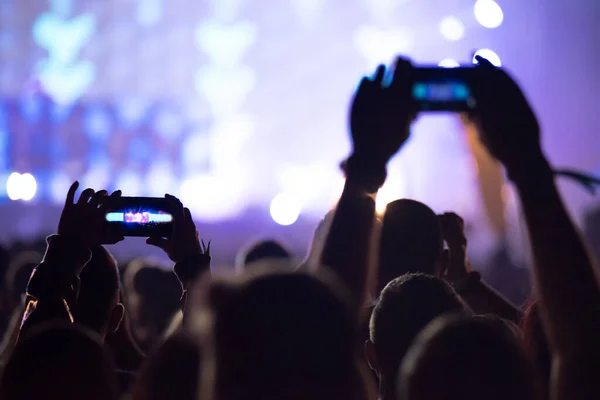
[188, 271]
[347, 247]
[483, 299]
[567, 285]
[54, 284]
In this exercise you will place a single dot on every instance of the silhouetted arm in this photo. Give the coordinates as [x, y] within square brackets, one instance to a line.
[569, 294]
[347, 247]
[484, 299]
[192, 258]
[566, 283]
[54, 284]
[380, 118]
[480, 297]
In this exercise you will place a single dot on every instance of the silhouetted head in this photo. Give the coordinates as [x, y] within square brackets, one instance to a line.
[536, 343]
[172, 372]
[153, 297]
[18, 274]
[279, 335]
[61, 361]
[98, 306]
[411, 240]
[405, 306]
[467, 358]
[263, 250]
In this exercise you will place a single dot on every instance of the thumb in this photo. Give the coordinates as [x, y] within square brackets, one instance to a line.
[159, 242]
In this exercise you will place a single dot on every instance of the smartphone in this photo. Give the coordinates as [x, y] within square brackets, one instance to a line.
[443, 89]
[140, 216]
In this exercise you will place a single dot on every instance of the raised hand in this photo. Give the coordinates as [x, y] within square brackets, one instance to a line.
[84, 220]
[191, 257]
[507, 125]
[380, 119]
[183, 243]
[454, 235]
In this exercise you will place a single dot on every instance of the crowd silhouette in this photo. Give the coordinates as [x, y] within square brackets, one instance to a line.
[381, 308]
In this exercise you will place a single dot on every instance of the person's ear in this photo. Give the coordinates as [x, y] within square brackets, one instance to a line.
[116, 316]
[371, 356]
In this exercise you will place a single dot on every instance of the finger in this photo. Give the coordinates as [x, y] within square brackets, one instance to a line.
[159, 242]
[98, 198]
[484, 62]
[108, 202]
[402, 78]
[176, 205]
[85, 196]
[71, 194]
[379, 74]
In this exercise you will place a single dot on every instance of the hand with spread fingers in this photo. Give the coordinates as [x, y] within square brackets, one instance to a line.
[84, 220]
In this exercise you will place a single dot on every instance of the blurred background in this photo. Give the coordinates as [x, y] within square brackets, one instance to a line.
[240, 108]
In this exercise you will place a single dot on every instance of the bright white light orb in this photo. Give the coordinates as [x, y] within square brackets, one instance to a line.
[13, 186]
[448, 63]
[488, 13]
[489, 55]
[21, 187]
[285, 209]
[452, 28]
[28, 187]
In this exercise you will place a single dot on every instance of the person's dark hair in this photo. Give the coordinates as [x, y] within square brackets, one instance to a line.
[172, 372]
[59, 361]
[99, 291]
[467, 358]
[406, 305]
[260, 251]
[282, 335]
[536, 344]
[411, 240]
[153, 297]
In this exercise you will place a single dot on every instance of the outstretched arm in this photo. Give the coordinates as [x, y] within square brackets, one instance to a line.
[53, 288]
[481, 297]
[184, 248]
[380, 120]
[567, 285]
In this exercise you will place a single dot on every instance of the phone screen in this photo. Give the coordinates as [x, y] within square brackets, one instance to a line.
[140, 216]
[443, 89]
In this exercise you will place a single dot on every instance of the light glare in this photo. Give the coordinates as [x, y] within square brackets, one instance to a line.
[21, 187]
[285, 209]
[448, 63]
[488, 13]
[452, 28]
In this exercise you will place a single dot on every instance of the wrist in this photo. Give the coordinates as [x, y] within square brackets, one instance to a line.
[365, 171]
[65, 250]
[188, 269]
[529, 169]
